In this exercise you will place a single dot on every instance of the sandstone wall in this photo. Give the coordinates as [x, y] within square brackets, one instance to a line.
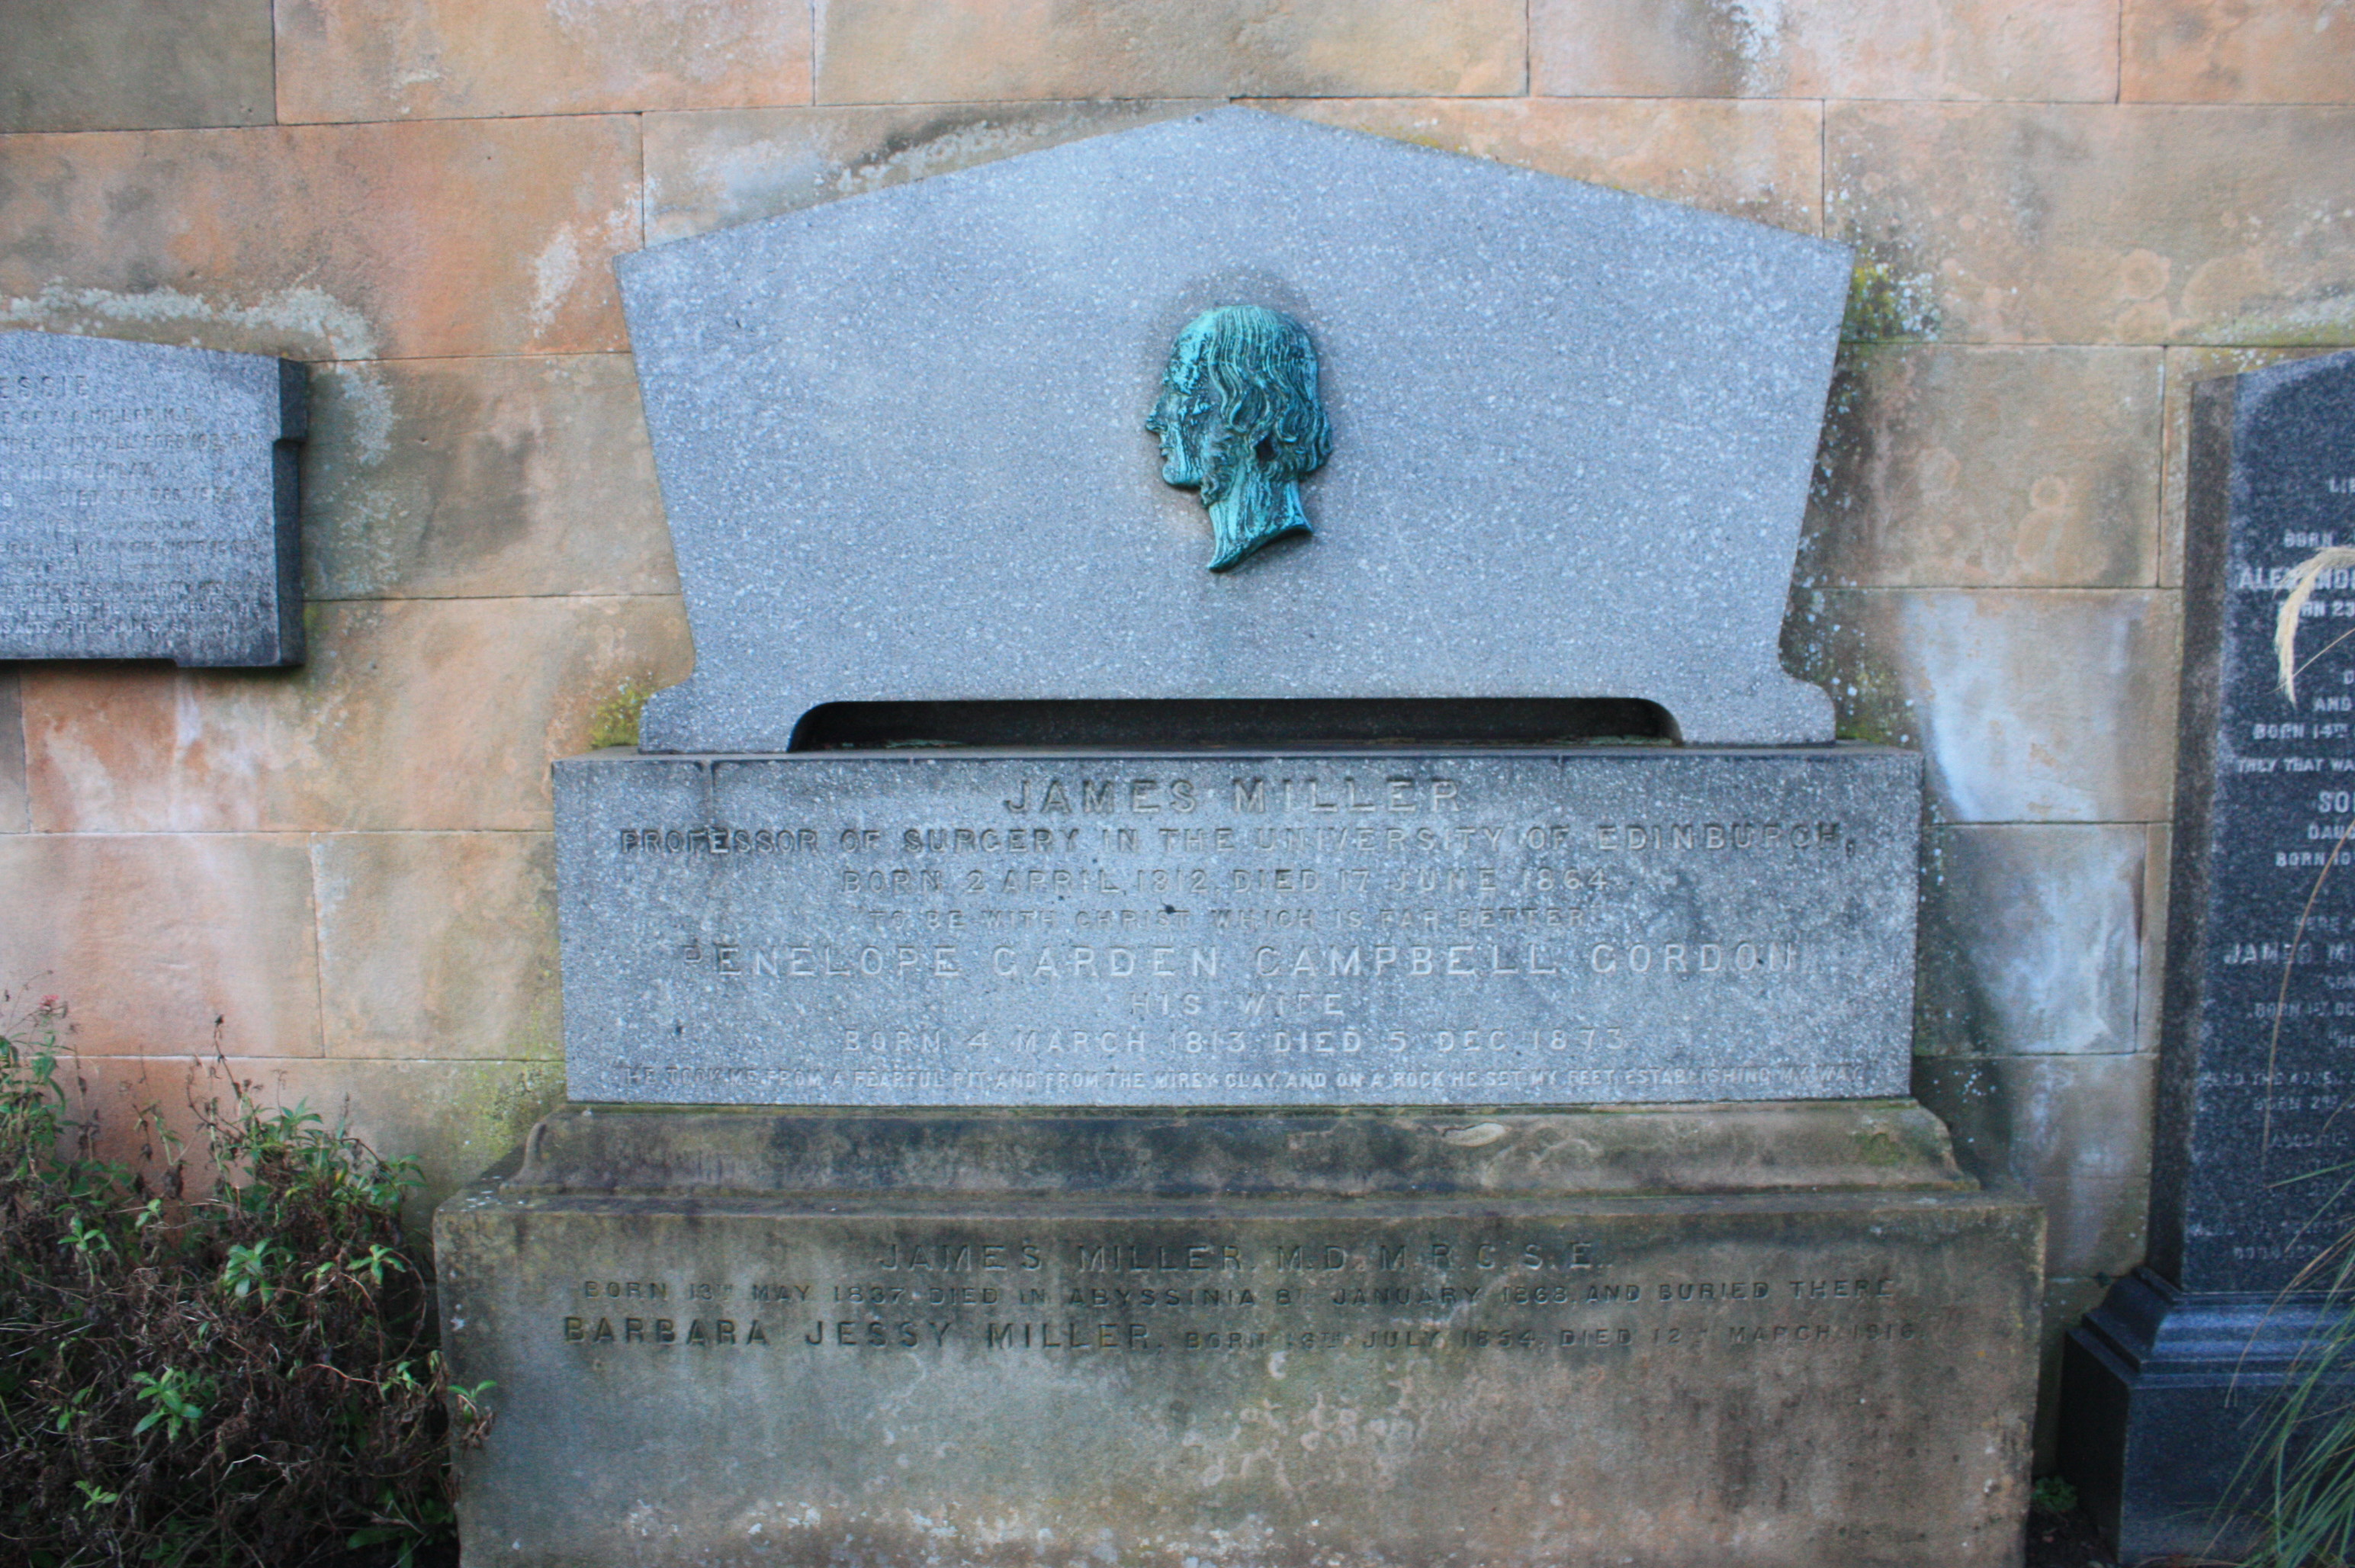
[337, 880]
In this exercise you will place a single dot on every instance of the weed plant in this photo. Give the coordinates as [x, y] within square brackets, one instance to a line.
[2299, 1485]
[241, 1374]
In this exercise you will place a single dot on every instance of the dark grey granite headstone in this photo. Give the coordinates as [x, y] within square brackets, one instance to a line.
[1587, 927]
[2261, 1007]
[2256, 1125]
[147, 503]
[900, 437]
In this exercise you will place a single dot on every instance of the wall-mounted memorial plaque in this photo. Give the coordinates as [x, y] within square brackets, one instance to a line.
[2257, 1096]
[147, 503]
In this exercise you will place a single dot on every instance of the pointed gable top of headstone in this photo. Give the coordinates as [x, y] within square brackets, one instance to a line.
[902, 437]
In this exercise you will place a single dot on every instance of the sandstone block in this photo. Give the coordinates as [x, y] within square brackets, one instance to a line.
[2072, 1130]
[15, 810]
[710, 170]
[2157, 889]
[1159, 1342]
[135, 65]
[326, 242]
[2026, 223]
[2027, 706]
[161, 944]
[411, 714]
[2237, 51]
[923, 51]
[437, 945]
[2066, 1302]
[2033, 939]
[1761, 161]
[1883, 1146]
[713, 170]
[453, 1117]
[396, 60]
[1824, 48]
[1987, 467]
[492, 478]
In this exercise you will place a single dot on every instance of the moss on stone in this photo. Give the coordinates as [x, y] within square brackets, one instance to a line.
[2296, 330]
[1822, 645]
[1882, 1147]
[506, 1105]
[614, 721]
[1885, 306]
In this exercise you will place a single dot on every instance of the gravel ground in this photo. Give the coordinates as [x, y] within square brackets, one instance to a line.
[2055, 1539]
[2059, 1540]
[2068, 1539]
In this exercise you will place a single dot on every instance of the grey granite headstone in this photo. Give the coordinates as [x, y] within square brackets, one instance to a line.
[2255, 1135]
[900, 438]
[147, 503]
[1593, 926]
[1167, 1154]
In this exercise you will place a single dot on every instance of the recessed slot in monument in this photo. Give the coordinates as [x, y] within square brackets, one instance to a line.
[1213, 724]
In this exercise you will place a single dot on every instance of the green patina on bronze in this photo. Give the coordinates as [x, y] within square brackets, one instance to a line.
[1238, 417]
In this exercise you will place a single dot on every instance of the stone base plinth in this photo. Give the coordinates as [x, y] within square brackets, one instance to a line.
[1746, 1336]
[2164, 1395]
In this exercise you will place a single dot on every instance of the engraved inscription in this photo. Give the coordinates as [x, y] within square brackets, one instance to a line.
[1561, 1342]
[1489, 930]
[1434, 1294]
[140, 503]
[2278, 1006]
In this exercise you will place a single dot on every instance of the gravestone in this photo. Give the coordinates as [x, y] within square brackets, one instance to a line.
[2168, 1382]
[147, 503]
[1132, 1083]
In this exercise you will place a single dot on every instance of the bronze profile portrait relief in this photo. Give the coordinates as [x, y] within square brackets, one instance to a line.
[1239, 418]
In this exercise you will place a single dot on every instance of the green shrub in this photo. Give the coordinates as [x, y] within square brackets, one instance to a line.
[243, 1374]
